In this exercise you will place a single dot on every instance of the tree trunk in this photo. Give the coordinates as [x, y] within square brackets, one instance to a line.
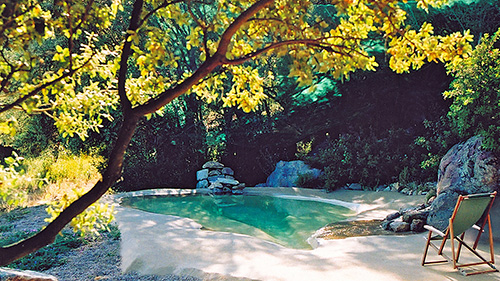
[131, 117]
[112, 173]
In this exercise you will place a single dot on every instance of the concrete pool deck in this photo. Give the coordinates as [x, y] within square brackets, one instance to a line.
[159, 244]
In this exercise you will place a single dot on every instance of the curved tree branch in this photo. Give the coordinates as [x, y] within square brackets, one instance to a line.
[208, 66]
[135, 23]
[19, 101]
[310, 42]
[131, 117]
[110, 175]
[238, 22]
[152, 12]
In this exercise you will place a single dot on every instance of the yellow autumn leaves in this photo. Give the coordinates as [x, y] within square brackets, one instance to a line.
[287, 29]
[50, 62]
[414, 48]
[176, 38]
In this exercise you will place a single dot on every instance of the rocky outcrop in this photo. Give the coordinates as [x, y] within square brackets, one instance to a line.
[409, 219]
[465, 169]
[286, 173]
[468, 169]
[218, 179]
[8, 274]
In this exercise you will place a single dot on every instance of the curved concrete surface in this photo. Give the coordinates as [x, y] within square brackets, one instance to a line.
[159, 244]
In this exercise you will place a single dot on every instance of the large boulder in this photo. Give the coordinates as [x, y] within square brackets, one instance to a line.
[466, 169]
[287, 173]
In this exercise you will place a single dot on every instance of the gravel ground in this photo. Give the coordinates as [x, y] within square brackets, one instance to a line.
[96, 260]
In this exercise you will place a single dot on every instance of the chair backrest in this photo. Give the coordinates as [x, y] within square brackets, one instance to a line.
[469, 209]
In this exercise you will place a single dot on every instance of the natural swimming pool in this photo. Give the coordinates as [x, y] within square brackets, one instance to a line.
[287, 221]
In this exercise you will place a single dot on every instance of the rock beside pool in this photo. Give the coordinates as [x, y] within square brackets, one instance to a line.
[286, 173]
[346, 229]
[467, 168]
[408, 219]
[218, 179]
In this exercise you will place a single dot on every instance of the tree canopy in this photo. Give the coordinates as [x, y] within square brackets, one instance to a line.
[76, 62]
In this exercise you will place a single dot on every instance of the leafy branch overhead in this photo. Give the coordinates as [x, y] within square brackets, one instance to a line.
[75, 61]
[78, 69]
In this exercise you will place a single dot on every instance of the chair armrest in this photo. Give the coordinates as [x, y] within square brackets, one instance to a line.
[476, 227]
[433, 229]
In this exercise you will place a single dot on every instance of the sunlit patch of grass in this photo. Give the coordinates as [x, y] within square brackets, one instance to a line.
[48, 177]
[76, 168]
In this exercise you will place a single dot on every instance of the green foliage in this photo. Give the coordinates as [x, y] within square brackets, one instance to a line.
[34, 135]
[114, 232]
[216, 144]
[437, 138]
[369, 159]
[404, 177]
[52, 61]
[46, 257]
[51, 256]
[38, 177]
[308, 180]
[19, 213]
[303, 148]
[96, 217]
[10, 173]
[475, 93]
[167, 150]
[69, 167]
[4, 228]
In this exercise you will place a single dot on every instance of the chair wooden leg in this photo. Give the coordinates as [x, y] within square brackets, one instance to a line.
[490, 233]
[456, 249]
[481, 229]
[441, 247]
[460, 242]
[452, 241]
[427, 247]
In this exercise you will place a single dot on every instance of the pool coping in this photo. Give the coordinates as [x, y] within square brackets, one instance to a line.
[270, 191]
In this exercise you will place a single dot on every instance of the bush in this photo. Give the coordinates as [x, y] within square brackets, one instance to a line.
[369, 159]
[309, 180]
[475, 93]
[75, 168]
[48, 176]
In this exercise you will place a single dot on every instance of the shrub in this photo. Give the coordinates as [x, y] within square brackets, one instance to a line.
[369, 159]
[475, 93]
[309, 180]
[76, 168]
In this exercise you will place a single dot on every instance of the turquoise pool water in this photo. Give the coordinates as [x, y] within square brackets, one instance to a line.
[285, 221]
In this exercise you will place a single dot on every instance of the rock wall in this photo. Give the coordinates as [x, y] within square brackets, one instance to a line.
[218, 179]
[465, 169]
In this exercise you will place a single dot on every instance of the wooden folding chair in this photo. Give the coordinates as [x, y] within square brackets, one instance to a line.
[470, 211]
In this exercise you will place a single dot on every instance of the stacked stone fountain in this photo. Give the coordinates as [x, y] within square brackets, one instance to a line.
[218, 179]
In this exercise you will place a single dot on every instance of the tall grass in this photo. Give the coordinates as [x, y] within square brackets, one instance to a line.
[51, 175]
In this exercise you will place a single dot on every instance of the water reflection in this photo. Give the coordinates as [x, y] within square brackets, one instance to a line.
[284, 221]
